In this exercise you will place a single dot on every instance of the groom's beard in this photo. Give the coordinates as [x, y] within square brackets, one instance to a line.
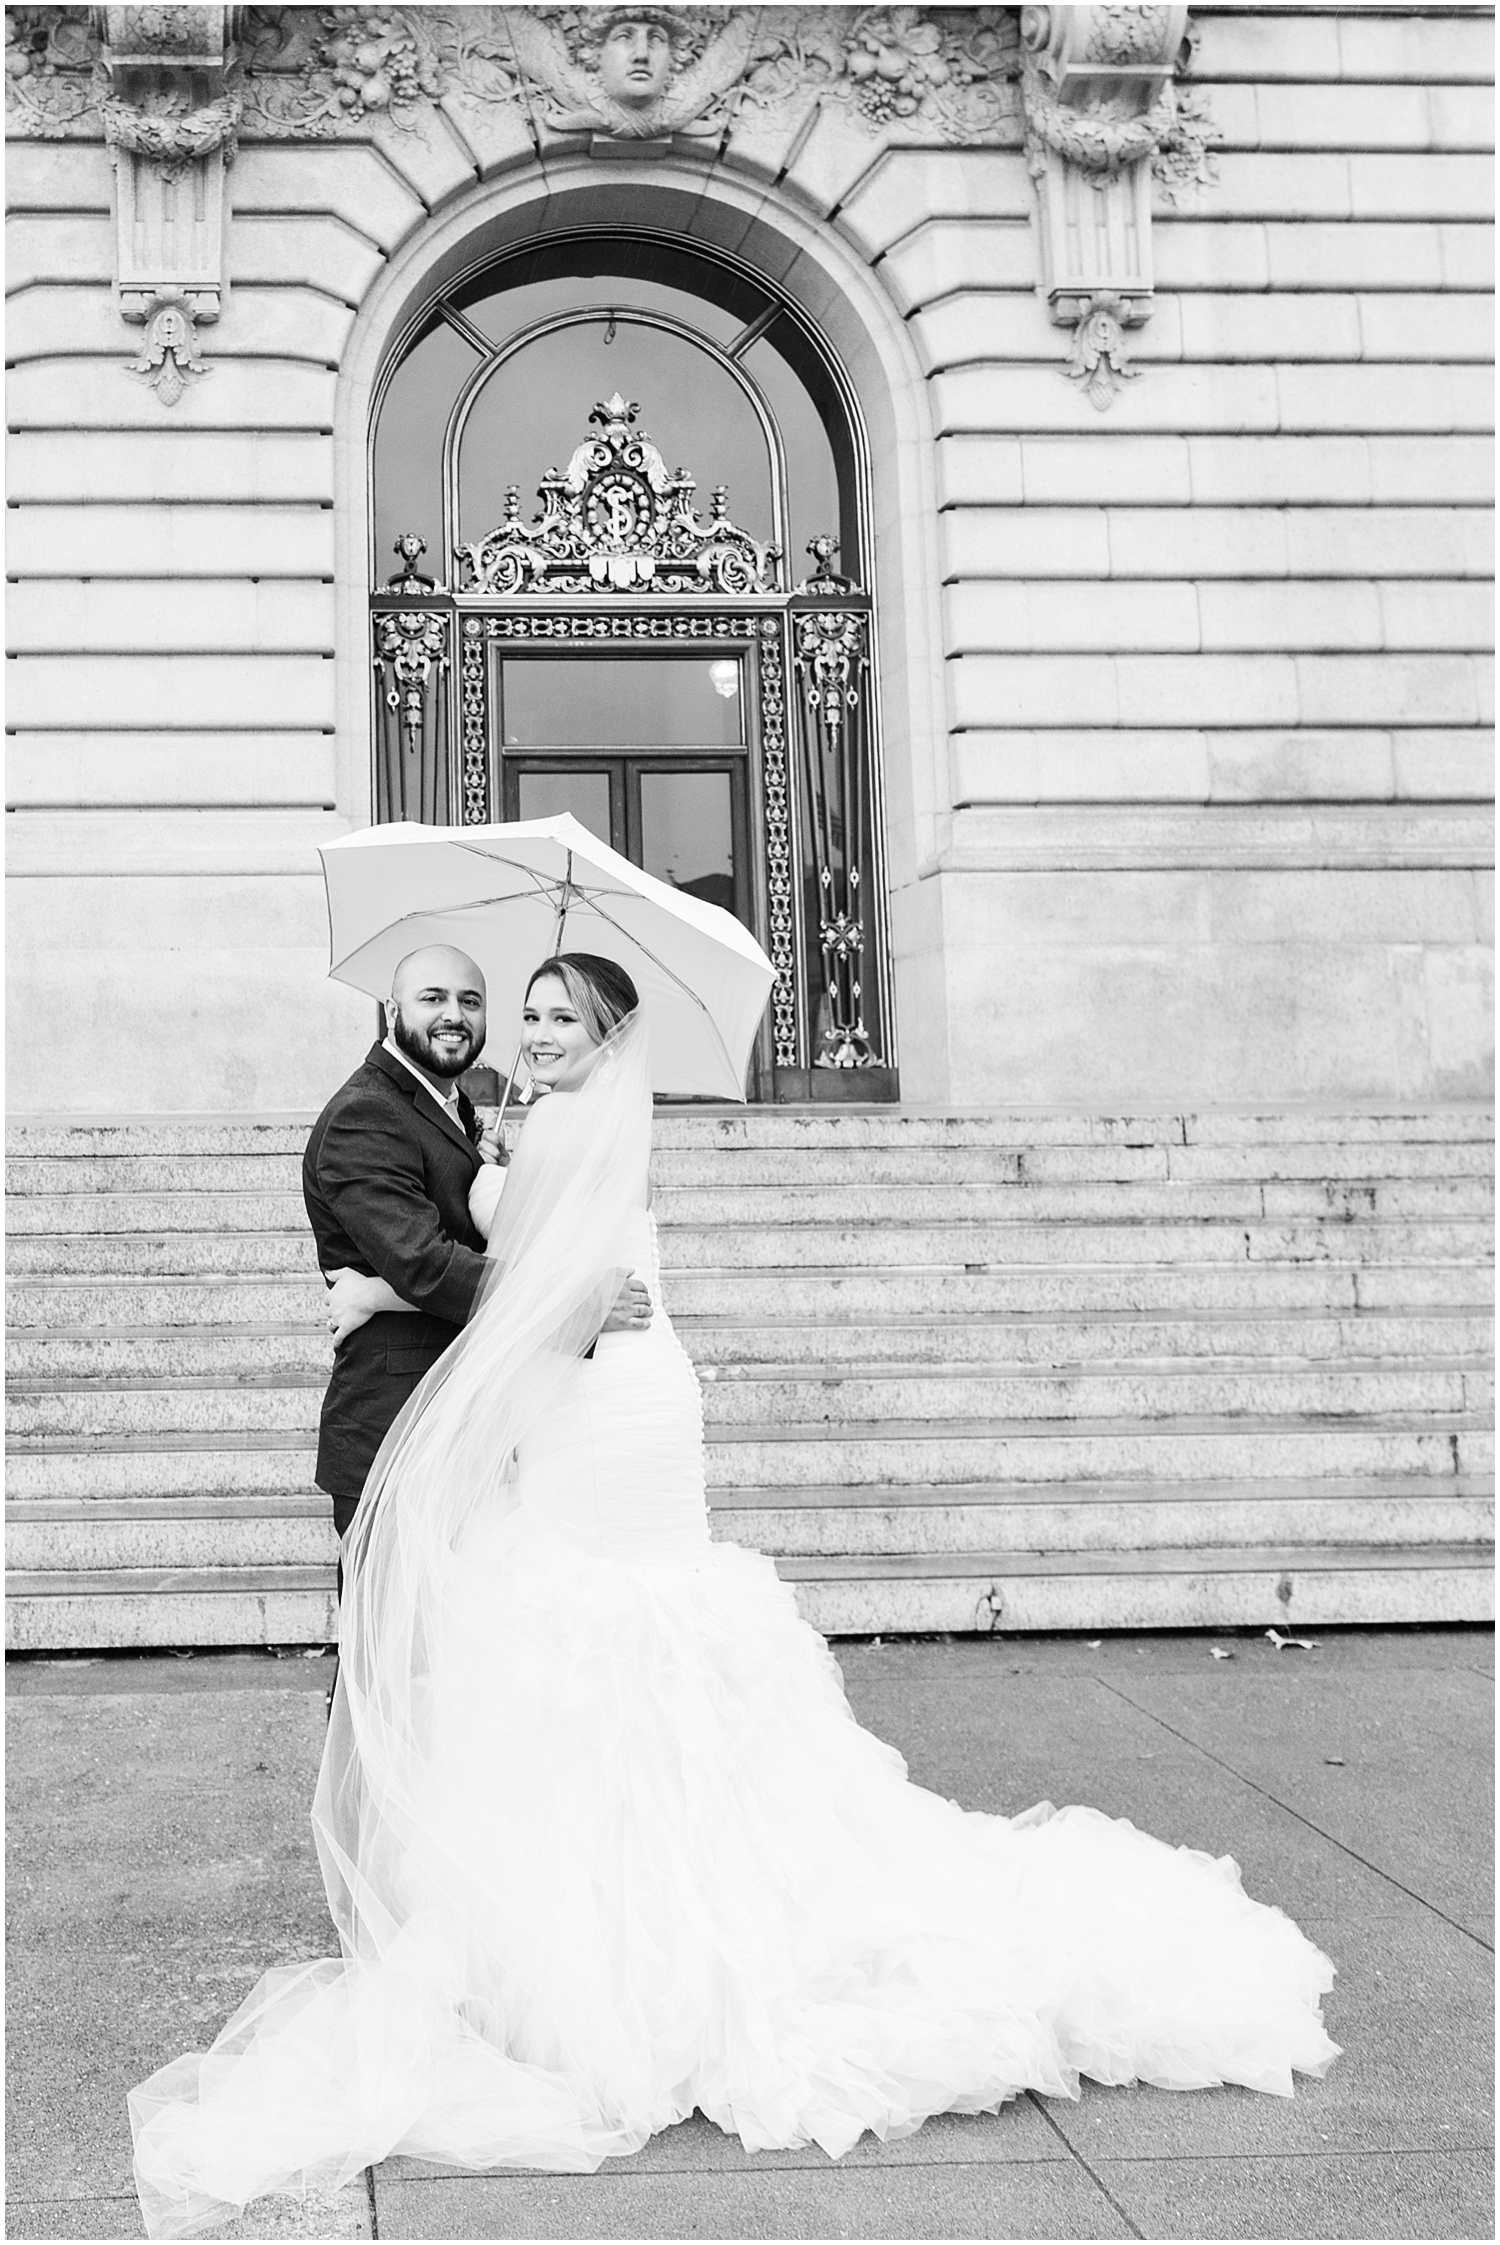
[441, 1061]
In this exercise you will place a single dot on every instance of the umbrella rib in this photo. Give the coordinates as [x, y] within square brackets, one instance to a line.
[546, 885]
[685, 987]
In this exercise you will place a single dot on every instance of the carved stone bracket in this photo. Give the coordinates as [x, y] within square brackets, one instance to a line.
[170, 126]
[1105, 121]
[168, 358]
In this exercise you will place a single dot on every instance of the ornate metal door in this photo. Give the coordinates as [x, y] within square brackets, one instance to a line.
[618, 568]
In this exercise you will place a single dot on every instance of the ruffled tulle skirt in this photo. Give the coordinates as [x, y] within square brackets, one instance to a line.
[663, 1868]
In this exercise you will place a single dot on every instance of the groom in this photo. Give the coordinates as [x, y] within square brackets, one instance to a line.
[386, 1180]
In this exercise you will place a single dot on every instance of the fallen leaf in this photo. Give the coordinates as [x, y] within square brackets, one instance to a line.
[1093, 1643]
[1220, 1653]
[1303, 1644]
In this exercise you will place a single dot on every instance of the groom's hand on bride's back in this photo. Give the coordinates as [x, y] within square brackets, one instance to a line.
[632, 1310]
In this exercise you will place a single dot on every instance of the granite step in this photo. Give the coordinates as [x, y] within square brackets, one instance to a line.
[708, 1128]
[184, 1252]
[195, 1206]
[792, 1454]
[737, 1397]
[220, 1458]
[1354, 1343]
[1150, 1201]
[904, 1593]
[56, 1302]
[887, 1208]
[270, 1529]
[826, 1165]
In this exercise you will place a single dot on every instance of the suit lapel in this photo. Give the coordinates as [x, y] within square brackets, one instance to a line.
[426, 1108]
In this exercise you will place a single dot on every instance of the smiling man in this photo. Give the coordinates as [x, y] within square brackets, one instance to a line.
[386, 1180]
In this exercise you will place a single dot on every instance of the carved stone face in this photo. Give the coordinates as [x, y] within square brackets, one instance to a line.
[635, 63]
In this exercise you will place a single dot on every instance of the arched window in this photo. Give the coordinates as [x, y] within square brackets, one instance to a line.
[602, 462]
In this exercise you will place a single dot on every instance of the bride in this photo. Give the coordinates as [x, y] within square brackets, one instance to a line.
[602, 1840]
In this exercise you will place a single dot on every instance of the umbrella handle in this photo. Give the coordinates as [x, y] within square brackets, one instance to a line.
[510, 1079]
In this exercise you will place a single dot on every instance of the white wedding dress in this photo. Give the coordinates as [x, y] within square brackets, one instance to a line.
[645, 1861]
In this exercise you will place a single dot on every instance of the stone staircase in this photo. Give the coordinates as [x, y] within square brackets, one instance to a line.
[961, 1372]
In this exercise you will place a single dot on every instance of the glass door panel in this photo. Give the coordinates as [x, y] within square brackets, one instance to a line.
[588, 795]
[687, 833]
[589, 702]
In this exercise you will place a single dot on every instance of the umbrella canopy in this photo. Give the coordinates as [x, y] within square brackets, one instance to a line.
[513, 895]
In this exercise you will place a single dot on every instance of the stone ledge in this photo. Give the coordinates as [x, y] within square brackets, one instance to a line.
[1265, 837]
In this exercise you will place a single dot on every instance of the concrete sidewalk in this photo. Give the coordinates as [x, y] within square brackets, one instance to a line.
[160, 1859]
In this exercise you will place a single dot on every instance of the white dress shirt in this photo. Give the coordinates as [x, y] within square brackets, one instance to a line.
[448, 1105]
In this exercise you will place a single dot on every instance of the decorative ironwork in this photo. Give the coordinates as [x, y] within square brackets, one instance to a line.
[412, 657]
[409, 549]
[474, 749]
[825, 580]
[615, 520]
[831, 649]
[563, 626]
[776, 804]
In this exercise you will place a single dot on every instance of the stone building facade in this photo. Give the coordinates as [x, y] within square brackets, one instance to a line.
[999, 498]
[1157, 350]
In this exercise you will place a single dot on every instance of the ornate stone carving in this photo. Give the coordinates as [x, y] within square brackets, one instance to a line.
[615, 520]
[1097, 357]
[307, 73]
[1104, 120]
[165, 129]
[54, 79]
[620, 75]
[168, 358]
[634, 73]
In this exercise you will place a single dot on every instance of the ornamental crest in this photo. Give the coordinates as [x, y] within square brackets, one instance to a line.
[614, 520]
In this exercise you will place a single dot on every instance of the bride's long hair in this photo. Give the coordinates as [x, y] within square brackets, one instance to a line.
[560, 1255]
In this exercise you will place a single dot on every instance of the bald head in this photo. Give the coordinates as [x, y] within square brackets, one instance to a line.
[436, 1010]
[437, 963]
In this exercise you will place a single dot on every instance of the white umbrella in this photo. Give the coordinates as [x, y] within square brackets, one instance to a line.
[513, 895]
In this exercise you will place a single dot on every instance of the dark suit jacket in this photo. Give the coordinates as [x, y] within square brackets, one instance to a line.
[386, 1180]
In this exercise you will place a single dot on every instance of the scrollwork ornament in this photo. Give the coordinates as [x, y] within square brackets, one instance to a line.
[54, 75]
[410, 642]
[831, 647]
[616, 520]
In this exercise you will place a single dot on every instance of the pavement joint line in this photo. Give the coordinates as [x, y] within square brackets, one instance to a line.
[370, 2201]
[1298, 2151]
[1332, 1838]
[611, 2172]
[1077, 2157]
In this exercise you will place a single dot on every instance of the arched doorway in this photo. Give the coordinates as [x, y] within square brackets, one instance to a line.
[589, 635]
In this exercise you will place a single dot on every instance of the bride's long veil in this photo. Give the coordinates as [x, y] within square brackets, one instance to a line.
[578, 1174]
[328, 2066]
